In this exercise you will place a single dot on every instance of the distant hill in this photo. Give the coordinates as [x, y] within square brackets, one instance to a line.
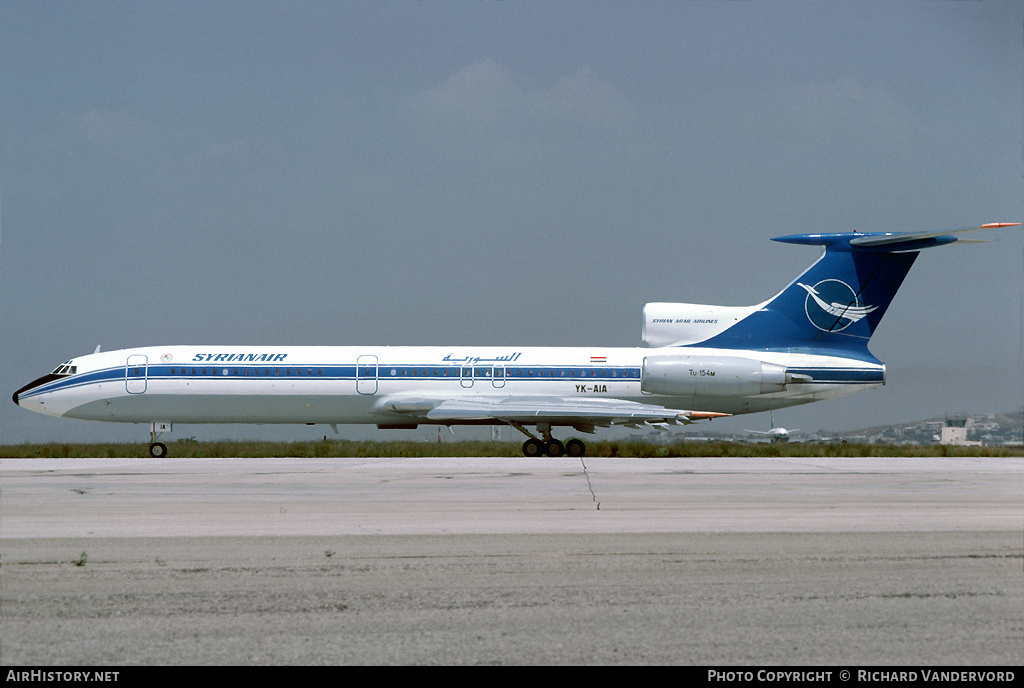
[993, 429]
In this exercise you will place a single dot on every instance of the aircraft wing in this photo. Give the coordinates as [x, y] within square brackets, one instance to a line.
[582, 413]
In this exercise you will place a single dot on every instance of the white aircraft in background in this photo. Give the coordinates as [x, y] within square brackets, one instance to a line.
[775, 434]
[807, 343]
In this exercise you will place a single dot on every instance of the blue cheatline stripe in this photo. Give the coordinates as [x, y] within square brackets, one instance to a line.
[79, 380]
[413, 372]
[841, 375]
[340, 373]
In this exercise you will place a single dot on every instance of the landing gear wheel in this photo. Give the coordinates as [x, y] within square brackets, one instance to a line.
[158, 450]
[531, 447]
[554, 448]
[575, 447]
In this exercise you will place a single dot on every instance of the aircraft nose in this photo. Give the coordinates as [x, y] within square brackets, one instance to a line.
[32, 385]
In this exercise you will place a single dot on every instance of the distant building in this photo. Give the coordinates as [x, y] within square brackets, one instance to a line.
[954, 431]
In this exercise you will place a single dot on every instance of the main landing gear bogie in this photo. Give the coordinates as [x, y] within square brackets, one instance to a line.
[553, 448]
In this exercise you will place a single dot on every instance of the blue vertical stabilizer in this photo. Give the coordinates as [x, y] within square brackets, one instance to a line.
[836, 304]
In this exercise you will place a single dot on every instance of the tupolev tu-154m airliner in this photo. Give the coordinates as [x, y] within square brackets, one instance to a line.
[806, 343]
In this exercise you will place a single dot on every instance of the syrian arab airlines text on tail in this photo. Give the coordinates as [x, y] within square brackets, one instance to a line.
[807, 343]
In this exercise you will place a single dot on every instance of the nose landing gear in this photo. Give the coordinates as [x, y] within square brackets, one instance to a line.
[158, 450]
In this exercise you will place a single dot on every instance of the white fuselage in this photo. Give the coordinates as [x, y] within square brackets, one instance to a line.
[381, 385]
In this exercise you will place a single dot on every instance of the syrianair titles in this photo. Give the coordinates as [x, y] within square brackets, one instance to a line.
[238, 358]
[806, 343]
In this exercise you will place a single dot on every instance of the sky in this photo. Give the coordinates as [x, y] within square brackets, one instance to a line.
[500, 172]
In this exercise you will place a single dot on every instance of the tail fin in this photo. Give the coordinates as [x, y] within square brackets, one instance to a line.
[837, 303]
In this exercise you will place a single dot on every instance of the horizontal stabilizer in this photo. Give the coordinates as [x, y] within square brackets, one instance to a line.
[917, 240]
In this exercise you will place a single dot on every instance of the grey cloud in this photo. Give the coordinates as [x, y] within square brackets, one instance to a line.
[486, 93]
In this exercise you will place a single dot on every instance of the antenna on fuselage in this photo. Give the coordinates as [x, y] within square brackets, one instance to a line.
[97, 348]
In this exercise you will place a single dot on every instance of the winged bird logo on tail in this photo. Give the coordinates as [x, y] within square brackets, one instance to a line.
[844, 308]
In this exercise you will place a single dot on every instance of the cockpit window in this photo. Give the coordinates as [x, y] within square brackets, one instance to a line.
[65, 369]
